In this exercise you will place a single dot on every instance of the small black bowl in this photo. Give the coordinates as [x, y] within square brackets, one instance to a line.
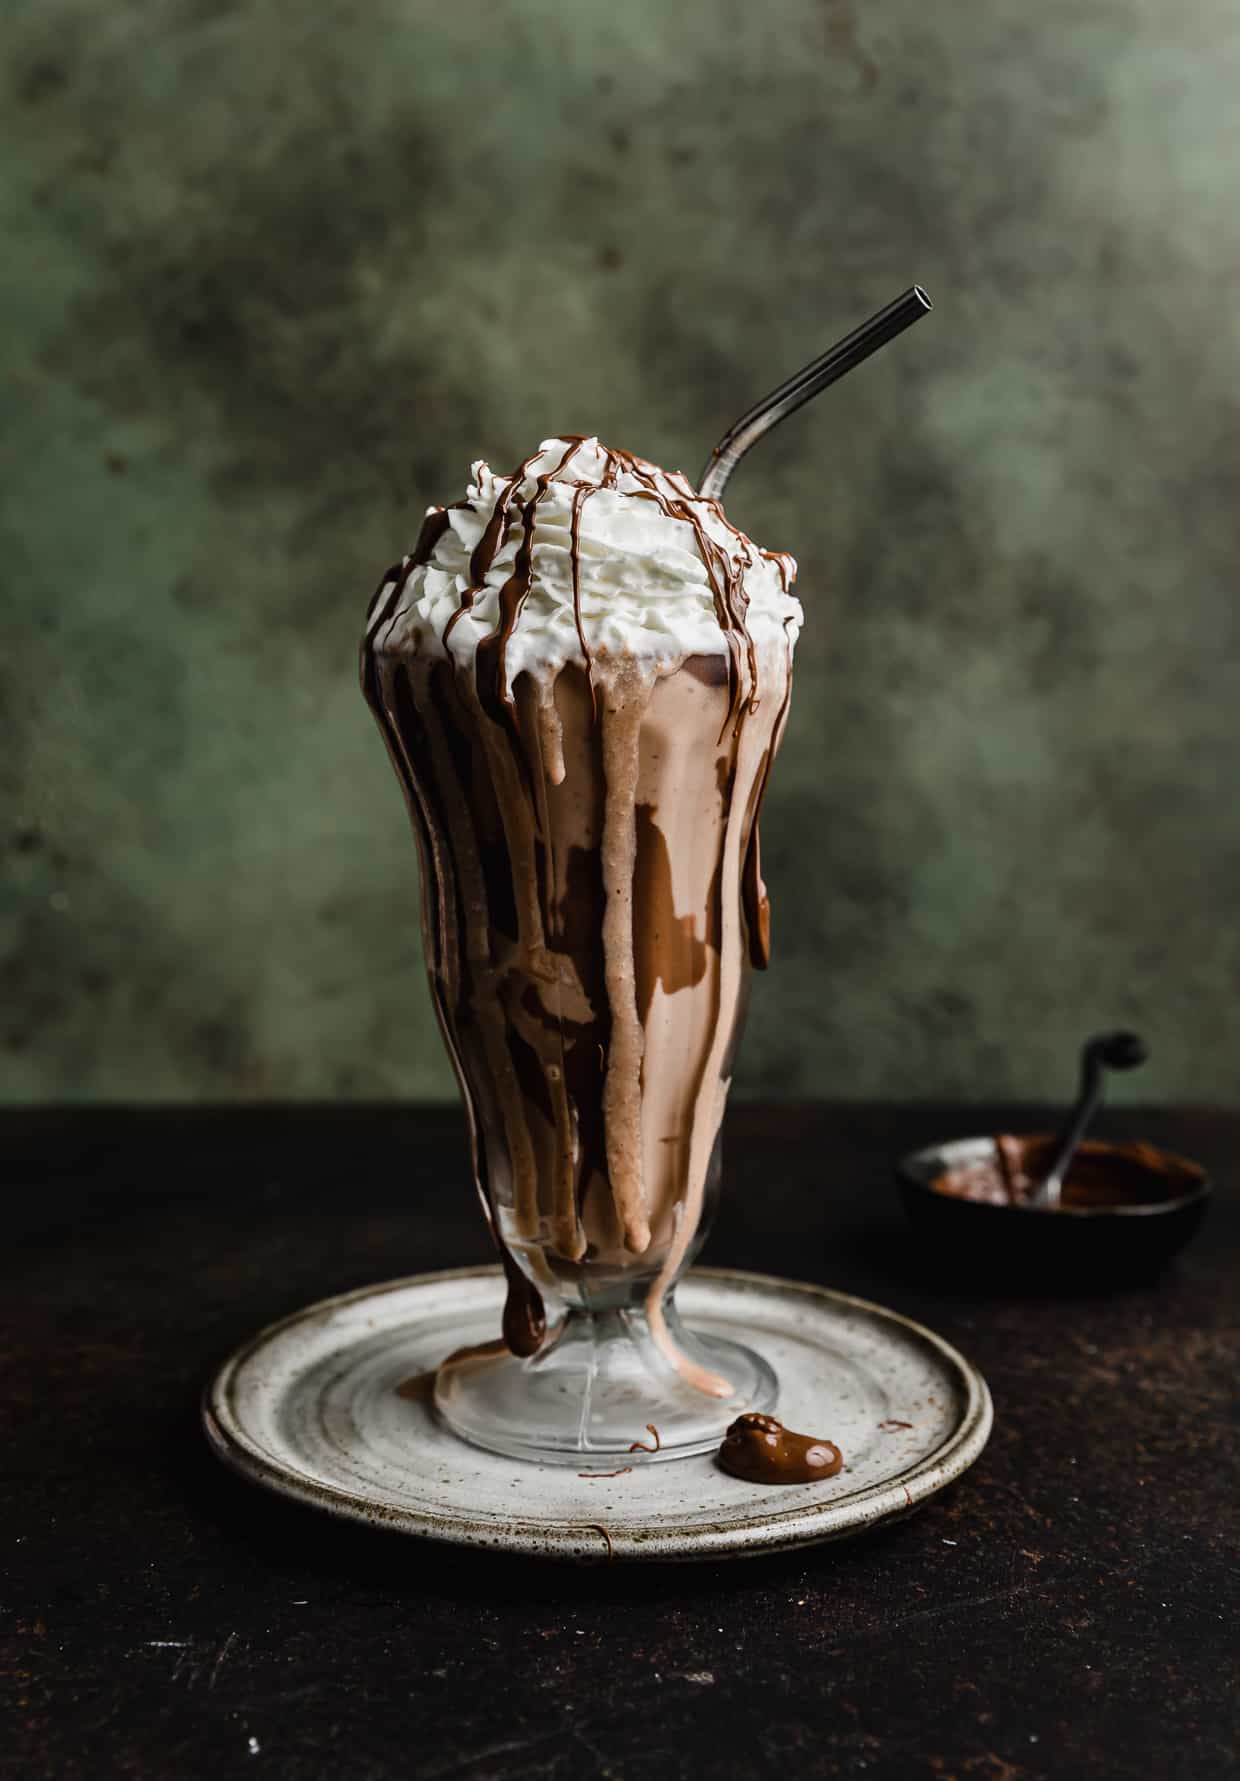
[1079, 1246]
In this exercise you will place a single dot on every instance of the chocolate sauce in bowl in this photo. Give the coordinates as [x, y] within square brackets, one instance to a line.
[1101, 1176]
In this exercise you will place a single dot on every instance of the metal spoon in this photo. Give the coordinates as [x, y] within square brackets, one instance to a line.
[1105, 1051]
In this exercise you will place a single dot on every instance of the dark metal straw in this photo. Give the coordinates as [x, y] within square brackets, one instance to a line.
[780, 403]
[1108, 1051]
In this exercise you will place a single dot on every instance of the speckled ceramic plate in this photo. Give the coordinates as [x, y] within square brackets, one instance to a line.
[312, 1408]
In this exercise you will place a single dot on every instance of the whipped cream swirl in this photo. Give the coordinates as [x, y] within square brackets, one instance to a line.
[584, 553]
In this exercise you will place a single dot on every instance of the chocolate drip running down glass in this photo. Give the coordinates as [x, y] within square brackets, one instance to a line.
[582, 674]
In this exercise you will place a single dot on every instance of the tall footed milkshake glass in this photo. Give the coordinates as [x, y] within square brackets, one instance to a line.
[581, 675]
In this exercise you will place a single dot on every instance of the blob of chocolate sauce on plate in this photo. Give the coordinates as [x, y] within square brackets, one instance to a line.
[761, 1450]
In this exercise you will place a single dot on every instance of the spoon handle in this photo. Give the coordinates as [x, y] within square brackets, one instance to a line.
[1106, 1051]
[1049, 1190]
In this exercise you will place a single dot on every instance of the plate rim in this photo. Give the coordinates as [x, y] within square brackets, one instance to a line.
[761, 1531]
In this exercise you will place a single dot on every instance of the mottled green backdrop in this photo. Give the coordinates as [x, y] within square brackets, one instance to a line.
[275, 271]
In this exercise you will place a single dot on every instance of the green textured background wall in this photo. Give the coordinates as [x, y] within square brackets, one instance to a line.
[275, 272]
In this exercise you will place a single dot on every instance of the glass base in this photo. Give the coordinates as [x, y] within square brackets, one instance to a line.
[597, 1390]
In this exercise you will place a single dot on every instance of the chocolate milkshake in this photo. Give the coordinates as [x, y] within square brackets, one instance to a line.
[582, 673]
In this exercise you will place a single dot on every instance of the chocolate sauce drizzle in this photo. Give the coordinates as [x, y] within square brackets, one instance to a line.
[493, 650]
[581, 494]
[753, 892]
[484, 552]
[654, 1446]
[412, 746]
[725, 572]
[525, 1317]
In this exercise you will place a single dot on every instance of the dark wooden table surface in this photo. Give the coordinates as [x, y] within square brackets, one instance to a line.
[1068, 1608]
